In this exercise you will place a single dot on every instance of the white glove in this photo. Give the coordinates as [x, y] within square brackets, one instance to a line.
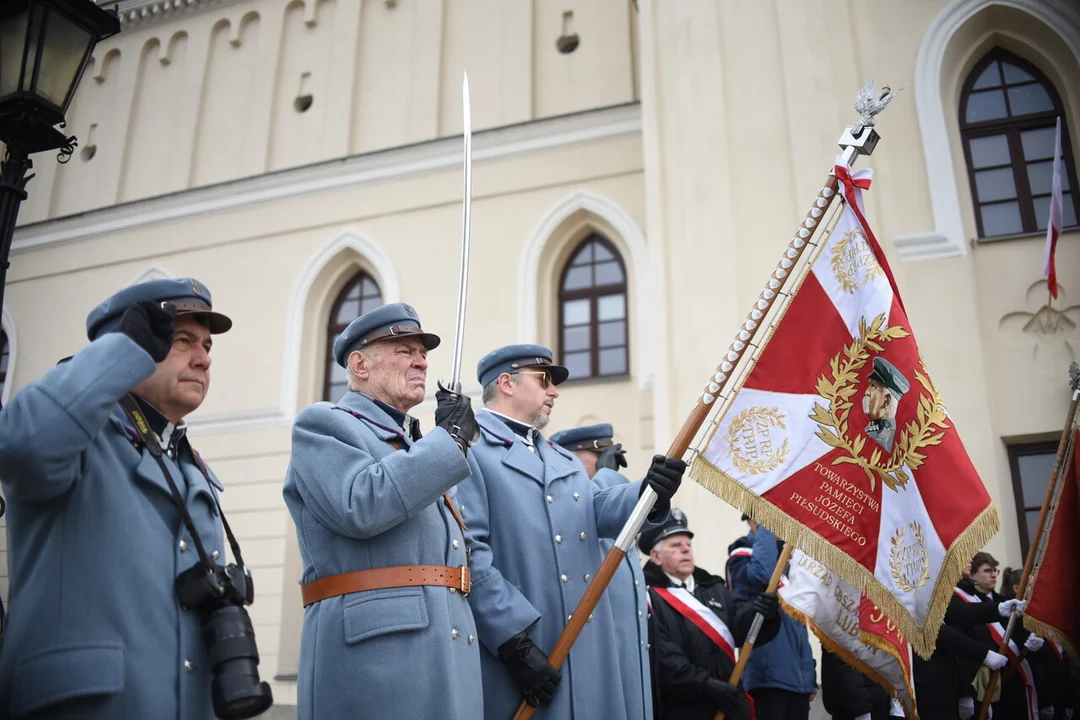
[896, 709]
[1005, 609]
[994, 661]
[1034, 643]
[967, 708]
[864, 716]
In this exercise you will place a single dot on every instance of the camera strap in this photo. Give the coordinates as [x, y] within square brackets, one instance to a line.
[131, 408]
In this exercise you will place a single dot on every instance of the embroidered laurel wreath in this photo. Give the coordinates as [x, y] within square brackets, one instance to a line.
[756, 416]
[833, 420]
[896, 561]
[849, 255]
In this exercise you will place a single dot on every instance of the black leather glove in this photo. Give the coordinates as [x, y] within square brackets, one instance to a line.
[729, 699]
[664, 477]
[768, 604]
[454, 415]
[151, 326]
[530, 670]
[612, 457]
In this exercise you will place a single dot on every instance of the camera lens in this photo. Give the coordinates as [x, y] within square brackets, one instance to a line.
[234, 660]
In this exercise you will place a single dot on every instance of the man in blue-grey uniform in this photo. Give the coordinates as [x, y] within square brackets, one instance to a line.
[534, 518]
[387, 630]
[595, 447]
[96, 537]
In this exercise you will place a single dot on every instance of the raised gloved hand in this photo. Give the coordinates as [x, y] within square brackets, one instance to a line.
[151, 326]
[768, 604]
[1034, 643]
[994, 661]
[530, 670]
[454, 414]
[664, 477]
[966, 708]
[612, 457]
[1005, 609]
[896, 710]
[729, 699]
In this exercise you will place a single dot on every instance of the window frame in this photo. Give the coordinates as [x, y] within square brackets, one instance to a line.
[1016, 452]
[333, 329]
[593, 293]
[5, 352]
[1011, 127]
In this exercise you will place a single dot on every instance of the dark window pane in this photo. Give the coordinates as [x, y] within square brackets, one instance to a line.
[1001, 219]
[337, 390]
[1042, 211]
[584, 256]
[1068, 210]
[359, 296]
[347, 312]
[1014, 74]
[577, 364]
[1029, 99]
[576, 312]
[612, 333]
[602, 253]
[1032, 524]
[608, 273]
[990, 77]
[1034, 476]
[611, 307]
[995, 184]
[369, 303]
[989, 151]
[613, 362]
[986, 105]
[576, 338]
[1038, 144]
[577, 278]
[1041, 177]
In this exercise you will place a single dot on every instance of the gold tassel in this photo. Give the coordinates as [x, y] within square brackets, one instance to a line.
[921, 638]
[1052, 634]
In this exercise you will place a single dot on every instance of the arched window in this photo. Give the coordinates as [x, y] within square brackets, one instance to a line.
[359, 295]
[4, 352]
[592, 312]
[1008, 112]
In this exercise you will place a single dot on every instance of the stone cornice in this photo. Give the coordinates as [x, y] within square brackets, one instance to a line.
[144, 12]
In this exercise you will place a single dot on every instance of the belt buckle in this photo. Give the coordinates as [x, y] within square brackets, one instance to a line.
[464, 580]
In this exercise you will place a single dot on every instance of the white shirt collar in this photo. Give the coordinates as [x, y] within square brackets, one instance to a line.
[529, 439]
[676, 581]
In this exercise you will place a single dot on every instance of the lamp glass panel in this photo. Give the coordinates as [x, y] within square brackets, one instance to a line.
[66, 44]
[12, 38]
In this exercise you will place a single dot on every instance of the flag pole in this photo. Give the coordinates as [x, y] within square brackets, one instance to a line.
[860, 139]
[1038, 545]
[759, 620]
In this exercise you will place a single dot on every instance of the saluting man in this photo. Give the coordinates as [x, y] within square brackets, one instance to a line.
[387, 629]
[95, 538]
[533, 519]
[595, 447]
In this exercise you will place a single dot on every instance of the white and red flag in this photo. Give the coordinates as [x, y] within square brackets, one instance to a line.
[837, 440]
[1053, 227]
[850, 626]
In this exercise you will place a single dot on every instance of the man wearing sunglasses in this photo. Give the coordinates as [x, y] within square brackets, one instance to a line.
[533, 518]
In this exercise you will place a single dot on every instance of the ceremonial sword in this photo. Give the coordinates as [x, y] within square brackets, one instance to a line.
[466, 221]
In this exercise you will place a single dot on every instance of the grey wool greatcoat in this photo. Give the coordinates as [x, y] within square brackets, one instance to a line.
[534, 522]
[94, 545]
[360, 503]
[629, 598]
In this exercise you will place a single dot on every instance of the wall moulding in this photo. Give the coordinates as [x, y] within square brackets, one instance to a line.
[146, 12]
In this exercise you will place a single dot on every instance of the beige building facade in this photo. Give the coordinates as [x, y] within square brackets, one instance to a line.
[303, 158]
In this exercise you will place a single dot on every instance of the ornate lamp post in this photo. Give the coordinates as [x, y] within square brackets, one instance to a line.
[44, 48]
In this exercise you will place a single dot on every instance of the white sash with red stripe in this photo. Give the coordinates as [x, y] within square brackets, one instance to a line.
[705, 619]
[997, 631]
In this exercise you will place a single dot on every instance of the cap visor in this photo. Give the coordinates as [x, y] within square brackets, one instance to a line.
[217, 322]
[559, 374]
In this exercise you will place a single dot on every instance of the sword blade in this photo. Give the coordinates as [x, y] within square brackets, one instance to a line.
[466, 223]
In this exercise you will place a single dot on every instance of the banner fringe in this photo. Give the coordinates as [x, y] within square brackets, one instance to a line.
[836, 649]
[1049, 632]
[922, 638]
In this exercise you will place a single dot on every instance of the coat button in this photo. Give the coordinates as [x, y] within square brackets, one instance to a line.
[472, 639]
[183, 546]
[636, 583]
[189, 667]
[453, 591]
[215, 555]
[455, 544]
[588, 577]
[639, 613]
[590, 618]
[558, 538]
[583, 536]
[550, 499]
[565, 579]
[576, 496]
[453, 634]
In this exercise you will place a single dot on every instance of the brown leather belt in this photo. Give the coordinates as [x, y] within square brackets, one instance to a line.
[390, 577]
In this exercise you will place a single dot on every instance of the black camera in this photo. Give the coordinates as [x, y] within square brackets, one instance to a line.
[219, 593]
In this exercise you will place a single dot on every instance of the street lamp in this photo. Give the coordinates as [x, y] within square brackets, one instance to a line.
[44, 48]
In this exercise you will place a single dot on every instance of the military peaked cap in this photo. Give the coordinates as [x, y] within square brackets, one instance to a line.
[676, 523]
[586, 437]
[387, 322]
[512, 358]
[188, 295]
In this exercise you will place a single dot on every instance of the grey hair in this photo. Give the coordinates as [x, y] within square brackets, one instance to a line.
[489, 389]
[369, 351]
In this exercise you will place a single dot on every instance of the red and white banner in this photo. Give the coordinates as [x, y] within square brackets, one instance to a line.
[837, 439]
[684, 602]
[850, 626]
[1053, 227]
